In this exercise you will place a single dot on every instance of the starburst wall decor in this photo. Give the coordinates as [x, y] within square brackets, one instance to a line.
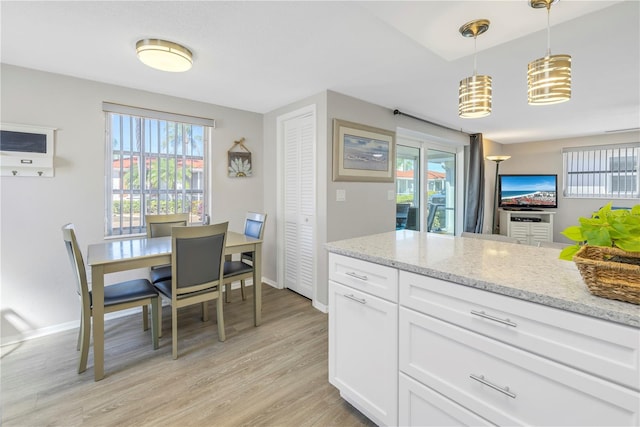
[239, 160]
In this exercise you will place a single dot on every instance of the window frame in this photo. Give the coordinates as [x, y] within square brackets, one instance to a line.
[148, 160]
[595, 172]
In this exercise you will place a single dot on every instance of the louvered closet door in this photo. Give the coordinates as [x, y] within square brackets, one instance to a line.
[299, 204]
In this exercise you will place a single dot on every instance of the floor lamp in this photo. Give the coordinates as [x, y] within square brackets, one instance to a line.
[496, 159]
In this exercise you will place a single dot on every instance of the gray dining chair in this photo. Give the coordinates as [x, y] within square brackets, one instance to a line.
[243, 269]
[197, 262]
[160, 226]
[118, 296]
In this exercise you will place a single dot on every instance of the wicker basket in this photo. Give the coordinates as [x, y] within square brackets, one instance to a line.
[610, 272]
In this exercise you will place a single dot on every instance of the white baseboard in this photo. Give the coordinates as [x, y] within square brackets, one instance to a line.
[320, 307]
[61, 327]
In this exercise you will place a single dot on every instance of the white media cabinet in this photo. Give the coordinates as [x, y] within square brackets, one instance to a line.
[530, 227]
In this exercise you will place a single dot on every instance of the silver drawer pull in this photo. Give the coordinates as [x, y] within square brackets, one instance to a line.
[507, 322]
[356, 275]
[352, 297]
[481, 380]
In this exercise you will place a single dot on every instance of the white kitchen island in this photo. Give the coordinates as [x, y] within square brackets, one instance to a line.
[426, 329]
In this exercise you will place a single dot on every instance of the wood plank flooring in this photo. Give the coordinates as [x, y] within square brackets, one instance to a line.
[272, 375]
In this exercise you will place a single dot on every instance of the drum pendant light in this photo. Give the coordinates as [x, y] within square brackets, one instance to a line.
[549, 78]
[474, 98]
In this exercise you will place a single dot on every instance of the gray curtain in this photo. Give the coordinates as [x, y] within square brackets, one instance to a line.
[474, 200]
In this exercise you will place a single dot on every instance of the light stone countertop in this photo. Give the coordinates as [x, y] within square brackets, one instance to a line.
[520, 271]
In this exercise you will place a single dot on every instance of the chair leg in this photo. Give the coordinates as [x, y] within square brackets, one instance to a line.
[205, 312]
[219, 305]
[155, 306]
[242, 290]
[174, 330]
[145, 317]
[85, 341]
[227, 292]
[159, 317]
[80, 332]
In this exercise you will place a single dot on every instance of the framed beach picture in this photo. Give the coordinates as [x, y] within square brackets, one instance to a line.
[362, 153]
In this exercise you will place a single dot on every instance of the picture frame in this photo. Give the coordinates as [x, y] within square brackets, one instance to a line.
[362, 153]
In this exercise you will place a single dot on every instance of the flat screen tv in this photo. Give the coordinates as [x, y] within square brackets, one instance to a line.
[528, 191]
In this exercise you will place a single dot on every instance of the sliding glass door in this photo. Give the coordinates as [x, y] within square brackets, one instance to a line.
[441, 191]
[425, 187]
[408, 187]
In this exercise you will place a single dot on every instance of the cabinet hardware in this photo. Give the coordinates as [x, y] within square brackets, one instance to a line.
[352, 297]
[507, 322]
[481, 380]
[356, 275]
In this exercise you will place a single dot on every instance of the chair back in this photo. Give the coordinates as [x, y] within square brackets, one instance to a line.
[433, 210]
[254, 225]
[77, 264]
[160, 225]
[197, 258]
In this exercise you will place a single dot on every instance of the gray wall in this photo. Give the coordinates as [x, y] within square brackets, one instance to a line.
[38, 292]
[546, 157]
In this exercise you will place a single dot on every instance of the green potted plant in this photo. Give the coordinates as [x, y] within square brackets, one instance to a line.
[617, 228]
[607, 252]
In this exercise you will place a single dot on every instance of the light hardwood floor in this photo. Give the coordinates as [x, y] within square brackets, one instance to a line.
[272, 375]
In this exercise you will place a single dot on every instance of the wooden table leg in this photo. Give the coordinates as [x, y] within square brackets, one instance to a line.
[97, 290]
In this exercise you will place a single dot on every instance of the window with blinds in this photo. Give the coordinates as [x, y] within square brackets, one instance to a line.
[609, 171]
[156, 164]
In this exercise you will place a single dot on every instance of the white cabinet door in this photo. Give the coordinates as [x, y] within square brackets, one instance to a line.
[421, 406]
[363, 357]
[520, 231]
[540, 232]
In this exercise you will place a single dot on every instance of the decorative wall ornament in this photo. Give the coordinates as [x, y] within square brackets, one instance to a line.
[239, 160]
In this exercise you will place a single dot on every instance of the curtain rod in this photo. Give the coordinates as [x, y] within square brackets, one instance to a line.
[400, 113]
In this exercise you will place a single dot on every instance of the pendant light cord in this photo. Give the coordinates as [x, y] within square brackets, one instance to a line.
[549, 29]
[475, 54]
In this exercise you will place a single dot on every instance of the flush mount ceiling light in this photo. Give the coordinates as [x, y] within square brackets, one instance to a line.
[549, 77]
[474, 98]
[164, 55]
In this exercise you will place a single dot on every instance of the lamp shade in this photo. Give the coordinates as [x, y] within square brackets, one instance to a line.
[498, 159]
[164, 55]
[549, 80]
[474, 98]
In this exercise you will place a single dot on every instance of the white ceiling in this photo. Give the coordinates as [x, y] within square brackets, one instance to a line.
[259, 56]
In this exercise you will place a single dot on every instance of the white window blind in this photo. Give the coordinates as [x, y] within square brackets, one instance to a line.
[608, 171]
[156, 164]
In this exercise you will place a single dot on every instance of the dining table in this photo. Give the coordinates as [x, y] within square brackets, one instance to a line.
[113, 256]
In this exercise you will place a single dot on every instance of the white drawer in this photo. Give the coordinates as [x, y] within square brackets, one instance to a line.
[509, 386]
[378, 280]
[421, 406]
[606, 349]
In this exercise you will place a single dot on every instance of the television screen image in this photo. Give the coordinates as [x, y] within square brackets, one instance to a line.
[528, 191]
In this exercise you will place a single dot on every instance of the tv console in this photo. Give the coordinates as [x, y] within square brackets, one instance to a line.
[528, 226]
